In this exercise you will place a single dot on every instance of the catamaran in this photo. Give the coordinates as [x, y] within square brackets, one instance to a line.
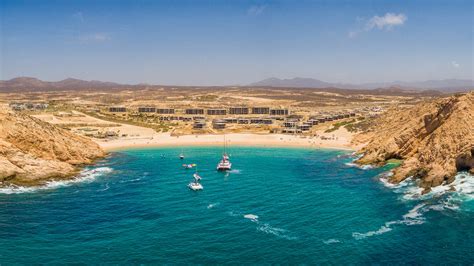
[195, 185]
[224, 164]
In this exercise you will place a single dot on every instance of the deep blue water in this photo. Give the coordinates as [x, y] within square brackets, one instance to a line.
[278, 206]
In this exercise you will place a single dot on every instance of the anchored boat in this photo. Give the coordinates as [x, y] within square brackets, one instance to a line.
[224, 164]
[195, 185]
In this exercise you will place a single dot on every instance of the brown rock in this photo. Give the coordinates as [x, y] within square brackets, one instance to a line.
[33, 151]
[435, 139]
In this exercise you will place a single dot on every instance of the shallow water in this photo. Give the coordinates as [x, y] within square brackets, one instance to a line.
[278, 205]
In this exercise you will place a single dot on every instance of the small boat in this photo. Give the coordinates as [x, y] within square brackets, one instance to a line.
[195, 185]
[181, 156]
[189, 166]
[224, 164]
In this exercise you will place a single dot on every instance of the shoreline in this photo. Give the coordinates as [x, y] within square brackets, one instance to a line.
[234, 139]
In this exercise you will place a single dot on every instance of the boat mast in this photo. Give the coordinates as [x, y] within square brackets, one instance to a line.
[225, 146]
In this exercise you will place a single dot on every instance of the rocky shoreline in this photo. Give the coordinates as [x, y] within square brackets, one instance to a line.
[33, 152]
[435, 140]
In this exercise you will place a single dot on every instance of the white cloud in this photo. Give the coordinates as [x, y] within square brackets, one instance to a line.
[256, 10]
[95, 37]
[386, 22]
[455, 64]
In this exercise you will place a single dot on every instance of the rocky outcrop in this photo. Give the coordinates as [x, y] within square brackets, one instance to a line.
[33, 151]
[435, 140]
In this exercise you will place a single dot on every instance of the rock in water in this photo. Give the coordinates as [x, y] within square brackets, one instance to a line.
[33, 151]
[435, 139]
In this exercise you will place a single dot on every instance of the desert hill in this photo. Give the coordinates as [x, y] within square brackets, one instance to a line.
[434, 139]
[33, 151]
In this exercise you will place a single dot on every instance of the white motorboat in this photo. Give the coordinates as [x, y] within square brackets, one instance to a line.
[195, 185]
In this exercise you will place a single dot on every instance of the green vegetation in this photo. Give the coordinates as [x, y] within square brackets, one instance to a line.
[337, 125]
[362, 125]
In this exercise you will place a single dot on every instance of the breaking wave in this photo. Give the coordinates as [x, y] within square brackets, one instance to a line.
[461, 188]
[447, 197]
[413, 217]
[86, 176]
[363, 167]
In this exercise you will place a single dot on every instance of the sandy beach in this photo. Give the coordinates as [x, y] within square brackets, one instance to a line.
[336, 140]
[131, 136]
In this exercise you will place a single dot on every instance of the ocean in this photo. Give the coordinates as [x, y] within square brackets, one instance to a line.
[277, 206]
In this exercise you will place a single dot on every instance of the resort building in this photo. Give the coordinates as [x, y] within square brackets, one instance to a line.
[279, 112]
[305, 127]
[218, 124]
[194, 111]
[260, 110]
[231, 120]
[199, 124]
[239, 110]
[117, 109]
[146, 109]
[261, 121]
[290, 124]
[216, 111]
[30, 106]
[243, 121]
[164, 111]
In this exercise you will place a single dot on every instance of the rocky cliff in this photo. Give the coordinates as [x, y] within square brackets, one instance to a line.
[33, 151]
[434, 140]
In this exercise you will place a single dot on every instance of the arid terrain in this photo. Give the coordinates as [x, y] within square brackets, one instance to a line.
[429, 130]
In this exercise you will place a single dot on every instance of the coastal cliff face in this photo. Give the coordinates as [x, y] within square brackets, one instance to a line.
[33, 151]
[434, 140]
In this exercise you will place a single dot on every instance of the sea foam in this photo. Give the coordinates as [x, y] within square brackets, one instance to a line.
[413, 217]
[86, 176]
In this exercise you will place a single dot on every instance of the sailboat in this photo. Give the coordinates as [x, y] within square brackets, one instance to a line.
[195, 185]
[224, 164]
[181, 155]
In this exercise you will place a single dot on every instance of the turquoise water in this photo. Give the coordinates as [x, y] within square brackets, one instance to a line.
[286, 206]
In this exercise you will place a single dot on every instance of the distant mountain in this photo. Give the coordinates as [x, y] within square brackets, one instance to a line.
[294, 82]
[446, 85]
[33, 84]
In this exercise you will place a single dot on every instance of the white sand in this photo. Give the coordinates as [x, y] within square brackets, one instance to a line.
[145, 137]
[341, 140]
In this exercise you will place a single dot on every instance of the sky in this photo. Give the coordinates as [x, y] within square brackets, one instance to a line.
[236, 42]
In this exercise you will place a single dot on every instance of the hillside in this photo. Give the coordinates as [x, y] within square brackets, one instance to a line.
[446, 85]
[434, 140]
[33, 151]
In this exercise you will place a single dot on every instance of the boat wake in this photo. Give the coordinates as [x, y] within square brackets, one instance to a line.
[281, 233]
[86, 176]
[234, 171]
[268, 229]
[331, 241]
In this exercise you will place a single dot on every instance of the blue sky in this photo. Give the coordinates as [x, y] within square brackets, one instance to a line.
[236, 42]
